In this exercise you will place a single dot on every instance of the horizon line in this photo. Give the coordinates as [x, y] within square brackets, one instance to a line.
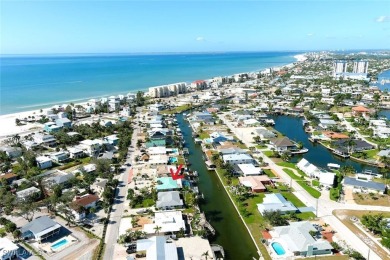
[178, 52]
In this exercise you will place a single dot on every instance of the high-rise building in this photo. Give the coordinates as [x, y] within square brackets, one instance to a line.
[339, 67]
[360, 67]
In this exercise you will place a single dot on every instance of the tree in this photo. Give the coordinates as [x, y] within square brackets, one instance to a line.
[278, 92]
[206, 255]
[275, 218]
[67, 212]
[26, 209]
[17, 234]
[157, 230]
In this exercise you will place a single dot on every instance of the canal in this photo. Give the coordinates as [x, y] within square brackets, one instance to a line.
[231, 233]
[385, 113]
[318, 155]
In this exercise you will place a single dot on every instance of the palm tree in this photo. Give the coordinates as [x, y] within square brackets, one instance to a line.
[157, 230]
[351, 144]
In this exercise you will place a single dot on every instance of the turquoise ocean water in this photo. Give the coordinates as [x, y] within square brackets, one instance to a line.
[28, 83]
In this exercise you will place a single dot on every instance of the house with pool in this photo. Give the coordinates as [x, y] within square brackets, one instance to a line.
[40, 229]
[296, 239]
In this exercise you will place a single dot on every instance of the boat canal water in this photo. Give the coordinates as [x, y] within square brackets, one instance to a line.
[231, 233]
[318, 155]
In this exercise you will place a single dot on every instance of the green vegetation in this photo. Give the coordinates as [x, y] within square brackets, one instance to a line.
[269, 173]
[377, 224]
[303, 183]
[268, 153]
[315, 183]
[178, 109]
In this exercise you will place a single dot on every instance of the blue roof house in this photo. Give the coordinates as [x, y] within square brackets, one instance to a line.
[167, 183]
[274, 202]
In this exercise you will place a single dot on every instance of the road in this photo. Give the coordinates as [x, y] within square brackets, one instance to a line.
[324, 207]
[112, 233]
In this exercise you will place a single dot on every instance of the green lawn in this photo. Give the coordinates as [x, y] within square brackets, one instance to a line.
[334, 194]
[315, 183]
[204, 135]
[261, 146]
[313, 192]
[292, 166]
[268, 153]
[269, 173]
[178, 109]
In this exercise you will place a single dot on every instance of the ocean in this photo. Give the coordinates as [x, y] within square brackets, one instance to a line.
[30, 82]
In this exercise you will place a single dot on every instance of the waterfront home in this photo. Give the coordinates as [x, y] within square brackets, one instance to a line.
[26, 193]
[43, 162]
[231, 150]
[360, 111]
[168, 221]
[247, 169]
[382, 132]
[158, 159]
[168, 184]
[169, 200]
[157, 150]
[326, 179]
[51, 127]
[282, 144]
[377, 123]
[334, 135]
[60, 157]
[155, 143]
[354, 146]
[256, 183]
[276, 202]
[40, 229]
[384, 153]
[8, 249]
[296, 238]
[12, 152]
[45, 139]
[241, 158]
[202, 117]
[157, 248]
[327, 123]
[250, 122]
[8, 177]
[364, 185]
[265, 134]
[159, 133]
[64, 122]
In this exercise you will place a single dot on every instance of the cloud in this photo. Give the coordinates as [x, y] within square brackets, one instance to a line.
[383, 19]
[200, 39]
[310, 34]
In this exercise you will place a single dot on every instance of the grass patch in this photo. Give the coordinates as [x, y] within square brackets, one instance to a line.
[204, 135]
[315, 183]
[292, 166]
[313, 192]
[269, 173]
[261, 146]
[268, 153]
[371, 199]
[334, 194]
[178, 109]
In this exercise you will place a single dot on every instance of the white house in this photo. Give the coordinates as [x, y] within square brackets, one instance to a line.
[241, 158]
[249, 169]
[8, 249]
[168, 221]
[24, 194]
[43, 162]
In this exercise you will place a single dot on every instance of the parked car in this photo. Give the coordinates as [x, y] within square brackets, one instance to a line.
[132, 248]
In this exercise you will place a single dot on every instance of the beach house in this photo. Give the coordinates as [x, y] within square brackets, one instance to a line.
[276, 202]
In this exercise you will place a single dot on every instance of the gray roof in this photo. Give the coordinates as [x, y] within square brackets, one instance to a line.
[38, 225]
[282, 142]
[169, 199]
[364, 184]
[157, 248]
[297, 237]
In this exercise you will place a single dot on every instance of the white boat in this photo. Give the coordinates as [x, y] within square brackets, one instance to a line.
[333, 166]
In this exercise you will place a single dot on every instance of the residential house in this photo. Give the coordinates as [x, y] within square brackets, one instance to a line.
[247, 169]
[80, 204]
[364, 185]
[112, 140]
[327, 123]
[276, 202]
[64, 122]
[282, 144]
[26, 193]
[45, 139]
[168, 184]
[44, 162]
[360, 111]
[12, 152]
[60, 157]
[241, 158]
[91, 147]
[355, 146]
[75, 152]
[265, 134]
[168, 221]
[296, 238]
[8, 249]
[8, 177]
[53, 177]
[169, 200]
[40, 229]
[256, 183]
[155, 143]
[98, 186]
[157, 248]
[51, 127]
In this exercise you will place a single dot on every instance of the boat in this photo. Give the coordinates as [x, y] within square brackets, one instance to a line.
[341, 154]
[333, 166]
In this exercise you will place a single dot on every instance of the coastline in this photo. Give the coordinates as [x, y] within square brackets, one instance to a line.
[8, 120]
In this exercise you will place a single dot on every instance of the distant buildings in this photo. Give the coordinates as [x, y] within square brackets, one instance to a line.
[360, 67]
[339, 67]
[168, 90]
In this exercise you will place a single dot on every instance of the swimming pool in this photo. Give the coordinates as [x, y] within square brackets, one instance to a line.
[278, 248]
[173, 159]
[59, 244]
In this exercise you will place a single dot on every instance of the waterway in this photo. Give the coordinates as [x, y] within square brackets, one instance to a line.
[385, 113]
[318, 155]
[231, 233]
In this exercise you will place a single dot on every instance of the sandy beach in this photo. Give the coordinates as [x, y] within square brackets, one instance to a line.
[9, 127]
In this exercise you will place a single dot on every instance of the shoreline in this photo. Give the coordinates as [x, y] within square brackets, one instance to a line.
[8, 120]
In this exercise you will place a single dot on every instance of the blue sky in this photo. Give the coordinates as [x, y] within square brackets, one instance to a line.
[29, 27]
